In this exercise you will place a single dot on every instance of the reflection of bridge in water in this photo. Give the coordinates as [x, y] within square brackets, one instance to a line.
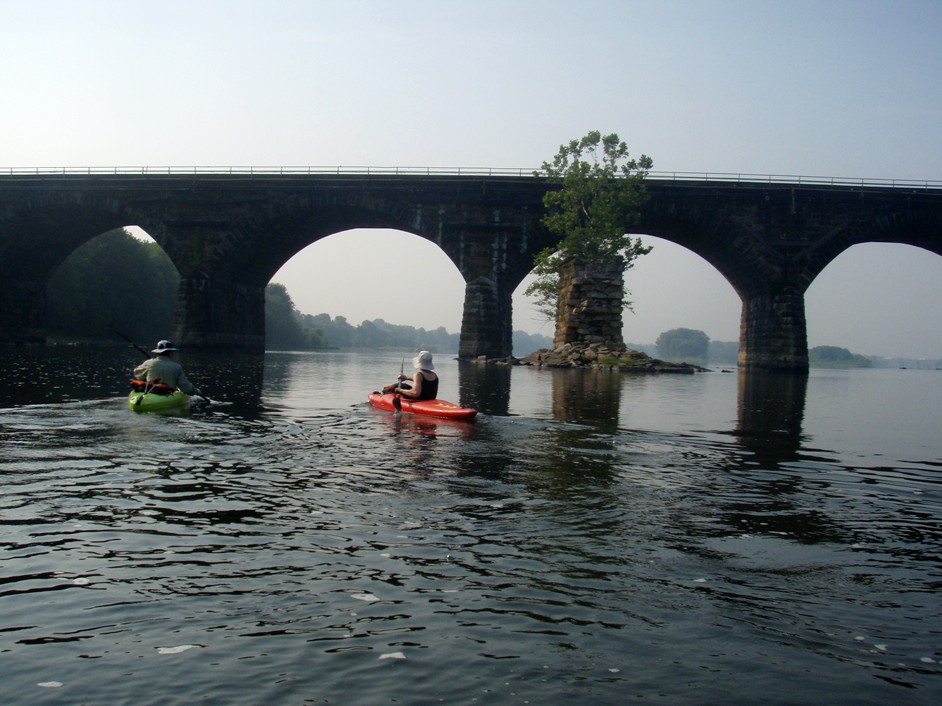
[769, 411]
[229, 232]
[753, 466]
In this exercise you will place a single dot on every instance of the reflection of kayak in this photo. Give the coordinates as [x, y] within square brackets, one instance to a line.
[176, 402]
[432, 408]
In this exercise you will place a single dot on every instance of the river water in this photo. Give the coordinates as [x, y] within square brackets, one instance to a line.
[592, 538]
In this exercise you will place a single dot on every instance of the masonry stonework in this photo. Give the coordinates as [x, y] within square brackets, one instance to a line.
[773, 332]
[590, 303]
[229, 233]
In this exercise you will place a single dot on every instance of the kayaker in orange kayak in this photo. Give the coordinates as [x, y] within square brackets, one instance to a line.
[424, 383]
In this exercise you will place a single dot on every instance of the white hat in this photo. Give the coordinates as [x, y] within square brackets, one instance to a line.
[423, 361]
[163, 347]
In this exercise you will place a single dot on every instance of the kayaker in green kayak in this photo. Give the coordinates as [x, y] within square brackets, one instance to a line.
[162, 369]
[424, 382]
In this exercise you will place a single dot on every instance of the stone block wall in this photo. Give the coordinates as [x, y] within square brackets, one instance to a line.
[589, 309]
[773, 332]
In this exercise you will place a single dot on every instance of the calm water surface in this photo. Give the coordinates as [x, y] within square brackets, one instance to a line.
[591, 538]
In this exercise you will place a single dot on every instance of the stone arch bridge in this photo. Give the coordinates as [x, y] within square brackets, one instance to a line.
[228, 233]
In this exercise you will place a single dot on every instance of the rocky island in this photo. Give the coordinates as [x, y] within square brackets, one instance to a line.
[598, 356]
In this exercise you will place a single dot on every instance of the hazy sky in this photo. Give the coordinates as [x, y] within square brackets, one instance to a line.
[845, 88]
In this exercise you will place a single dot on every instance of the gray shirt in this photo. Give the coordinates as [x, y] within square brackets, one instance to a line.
[163, 369]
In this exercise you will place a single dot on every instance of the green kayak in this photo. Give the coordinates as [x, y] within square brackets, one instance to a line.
[175, 403]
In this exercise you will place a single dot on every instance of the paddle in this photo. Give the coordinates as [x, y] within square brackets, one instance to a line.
[397, 402]
[126, 338]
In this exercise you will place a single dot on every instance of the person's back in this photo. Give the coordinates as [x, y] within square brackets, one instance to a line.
[429, 387]
[159, 369]
[163, 369]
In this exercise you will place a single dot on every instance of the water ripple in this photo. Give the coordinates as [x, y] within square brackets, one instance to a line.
[283, 557]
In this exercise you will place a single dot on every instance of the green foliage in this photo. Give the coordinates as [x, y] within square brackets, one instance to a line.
[338, 332]
[600, 195]
[834, 357]
[283, 327]
[377, 334]
[368, 335]
[683, 344]
[113, 281]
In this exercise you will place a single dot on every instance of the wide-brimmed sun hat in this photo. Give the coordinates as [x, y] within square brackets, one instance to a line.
[423, 361]
[164, 347]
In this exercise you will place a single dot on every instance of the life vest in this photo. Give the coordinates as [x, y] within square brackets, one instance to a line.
[158, 388]
[429, 388]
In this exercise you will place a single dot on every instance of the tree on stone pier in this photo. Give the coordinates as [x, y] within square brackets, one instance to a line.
[597, 191]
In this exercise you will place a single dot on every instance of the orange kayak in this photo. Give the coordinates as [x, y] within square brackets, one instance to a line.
[433, 408]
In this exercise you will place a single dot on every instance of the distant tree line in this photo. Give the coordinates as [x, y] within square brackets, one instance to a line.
[117, 284]
[283, 327]
[834, 357]
[286, 327]
[683, 344]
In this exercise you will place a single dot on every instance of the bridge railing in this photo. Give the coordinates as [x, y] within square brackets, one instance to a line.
[794, 179]
[272, 171]
[724, 177]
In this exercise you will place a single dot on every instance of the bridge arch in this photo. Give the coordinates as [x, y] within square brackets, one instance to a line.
[117, 283]
[918, 227]
[675, 287]
[874, 285]
[670, 287]
[323, 278]
[38, 235]
[731, 242]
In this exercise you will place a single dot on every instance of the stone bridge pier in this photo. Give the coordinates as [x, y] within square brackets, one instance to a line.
[485, 317]
[773, 332]
[219, 304]
[215, 313]
[493, 260]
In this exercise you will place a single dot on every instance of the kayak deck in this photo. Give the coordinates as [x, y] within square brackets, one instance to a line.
[433, 408]
[176, 402]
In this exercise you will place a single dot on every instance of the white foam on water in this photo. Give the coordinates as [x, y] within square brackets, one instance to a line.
[392, 655]
[174, 650]
[368, 597]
